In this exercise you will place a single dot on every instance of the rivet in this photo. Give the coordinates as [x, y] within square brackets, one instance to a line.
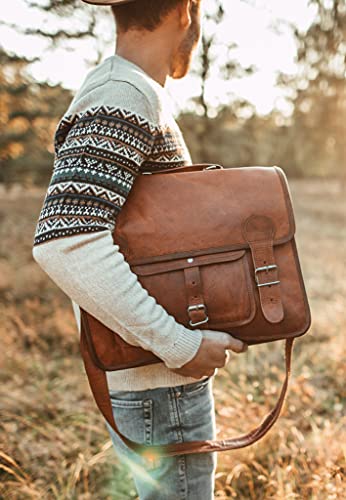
[190, 259]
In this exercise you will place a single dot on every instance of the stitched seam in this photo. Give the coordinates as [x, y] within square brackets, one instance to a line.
[148, 421]
[183, 477]
[175, 420]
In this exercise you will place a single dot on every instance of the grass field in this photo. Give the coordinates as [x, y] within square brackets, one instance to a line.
[53, 442]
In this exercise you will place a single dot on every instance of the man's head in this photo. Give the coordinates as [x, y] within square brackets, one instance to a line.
[170, 22]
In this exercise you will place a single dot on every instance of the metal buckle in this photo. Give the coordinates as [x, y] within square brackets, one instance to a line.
[265, 268]
[196, 308]
[212, 167]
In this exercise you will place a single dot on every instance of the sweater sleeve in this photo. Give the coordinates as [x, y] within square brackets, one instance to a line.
[96, 164]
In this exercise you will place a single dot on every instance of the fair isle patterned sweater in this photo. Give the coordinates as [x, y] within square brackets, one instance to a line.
[118, 126]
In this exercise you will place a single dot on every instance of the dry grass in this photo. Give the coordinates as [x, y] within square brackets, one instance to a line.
[53, 442]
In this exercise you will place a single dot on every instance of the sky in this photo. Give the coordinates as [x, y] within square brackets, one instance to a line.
[254, 25]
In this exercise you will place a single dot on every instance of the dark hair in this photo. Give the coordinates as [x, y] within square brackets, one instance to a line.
[141, 14]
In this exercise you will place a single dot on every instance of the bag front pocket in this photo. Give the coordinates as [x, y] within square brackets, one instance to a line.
[225, 285]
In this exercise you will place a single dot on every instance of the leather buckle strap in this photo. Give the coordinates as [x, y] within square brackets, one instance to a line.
[266, 269]
[259, 232]
[196, 309]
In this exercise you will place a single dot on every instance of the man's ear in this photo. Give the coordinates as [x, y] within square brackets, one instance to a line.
[184, 10]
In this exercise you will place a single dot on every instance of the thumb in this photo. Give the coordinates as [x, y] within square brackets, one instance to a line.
[235, 345]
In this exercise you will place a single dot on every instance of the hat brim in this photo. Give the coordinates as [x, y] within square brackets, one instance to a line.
[106, 2]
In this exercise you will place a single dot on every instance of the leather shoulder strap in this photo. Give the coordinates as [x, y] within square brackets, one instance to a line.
[99, 387]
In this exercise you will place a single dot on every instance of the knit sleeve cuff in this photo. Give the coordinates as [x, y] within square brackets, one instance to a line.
[184, 348]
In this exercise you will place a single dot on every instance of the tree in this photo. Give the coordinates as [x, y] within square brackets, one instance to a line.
[88, 20]
[319, 117]
[64, 9]
[29, 112]
[208, 62]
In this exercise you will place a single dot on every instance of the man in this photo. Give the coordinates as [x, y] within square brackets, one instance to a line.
[118, 126]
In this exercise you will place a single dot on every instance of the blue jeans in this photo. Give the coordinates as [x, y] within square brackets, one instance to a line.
[168, 415]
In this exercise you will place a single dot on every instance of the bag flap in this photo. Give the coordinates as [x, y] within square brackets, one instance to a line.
[174, 265]
[173, 215]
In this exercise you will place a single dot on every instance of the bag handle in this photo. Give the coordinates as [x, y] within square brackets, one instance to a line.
[99, 387]
[196, 167]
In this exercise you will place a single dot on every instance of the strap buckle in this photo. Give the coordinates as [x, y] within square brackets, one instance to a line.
[197, 307]
[266, 269]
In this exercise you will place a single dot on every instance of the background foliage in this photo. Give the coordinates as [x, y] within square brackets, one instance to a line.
[53, 443]
[308, 141]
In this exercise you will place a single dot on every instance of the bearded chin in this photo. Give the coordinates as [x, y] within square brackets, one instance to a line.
[182, 60]
[181, 67]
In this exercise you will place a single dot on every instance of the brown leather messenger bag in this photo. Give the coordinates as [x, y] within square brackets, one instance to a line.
[216, 248]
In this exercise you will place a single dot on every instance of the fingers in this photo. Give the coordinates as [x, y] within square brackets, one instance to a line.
[226, 360]
[228, 357]
[235, 345]
[228, 341]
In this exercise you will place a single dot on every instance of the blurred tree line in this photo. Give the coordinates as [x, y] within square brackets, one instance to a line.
[308, 142]
[29, 112]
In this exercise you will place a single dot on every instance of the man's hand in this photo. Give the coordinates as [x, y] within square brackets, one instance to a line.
[211, 354]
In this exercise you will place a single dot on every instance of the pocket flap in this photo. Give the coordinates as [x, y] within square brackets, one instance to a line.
[173, 265]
